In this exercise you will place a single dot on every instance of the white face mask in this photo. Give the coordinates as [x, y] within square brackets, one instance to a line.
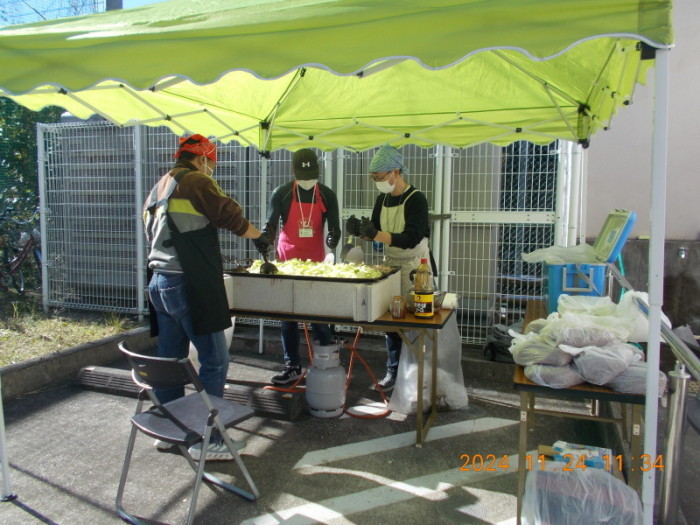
[307, 184]
[385, 186]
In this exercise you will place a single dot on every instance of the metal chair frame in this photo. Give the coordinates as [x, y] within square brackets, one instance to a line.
[183, 422]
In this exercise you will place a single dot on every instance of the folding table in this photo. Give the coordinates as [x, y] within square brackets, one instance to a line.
[425, 328]
[530, 390]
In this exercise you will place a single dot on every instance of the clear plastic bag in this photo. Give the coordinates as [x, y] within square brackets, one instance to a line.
[553, 376]
[585, 330]
[633, 317]
[586, 304]
[634, 380]
[451, 392]
[590, 497]
[600, 365]
[535, 326]
[583, 253]
[533, 349]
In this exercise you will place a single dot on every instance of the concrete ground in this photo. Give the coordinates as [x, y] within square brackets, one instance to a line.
[65, 445]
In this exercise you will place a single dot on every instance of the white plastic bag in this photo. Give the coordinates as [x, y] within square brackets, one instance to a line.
[634, 380]
[535, 326]
[451, 392]
[553, 376]
[533, 349]
[586, 304]
[583, 253]
[600, 365]
[555, 496]
[585, 330]
[632, 316]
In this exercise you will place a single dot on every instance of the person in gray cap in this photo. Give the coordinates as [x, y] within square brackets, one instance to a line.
[302, 207]
[399, 221]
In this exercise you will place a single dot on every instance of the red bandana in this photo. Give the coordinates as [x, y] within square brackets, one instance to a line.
[201, 147]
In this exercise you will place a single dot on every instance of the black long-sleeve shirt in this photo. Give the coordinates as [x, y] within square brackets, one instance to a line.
[281, 201]
[415, 216]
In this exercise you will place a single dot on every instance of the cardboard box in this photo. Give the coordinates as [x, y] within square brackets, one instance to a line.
[593, 457]
[549, 453]
[359, 300]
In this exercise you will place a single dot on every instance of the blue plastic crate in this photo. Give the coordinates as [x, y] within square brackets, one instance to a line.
[574, 279]
[589, 278]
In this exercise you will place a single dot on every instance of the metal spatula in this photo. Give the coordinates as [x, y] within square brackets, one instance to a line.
[356, 255]
[267, 268]
[352, 253]
[347, 247]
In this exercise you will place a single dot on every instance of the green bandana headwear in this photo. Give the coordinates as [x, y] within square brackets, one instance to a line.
[387, 158]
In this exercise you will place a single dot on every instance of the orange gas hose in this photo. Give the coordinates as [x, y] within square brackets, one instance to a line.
[354, 353]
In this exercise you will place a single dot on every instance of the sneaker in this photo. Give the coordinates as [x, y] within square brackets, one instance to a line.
[288, 375]
[217, 451]
[162, 445]
[387, 383]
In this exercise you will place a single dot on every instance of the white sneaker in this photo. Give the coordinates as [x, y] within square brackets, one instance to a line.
[216, 451]
[162, 445]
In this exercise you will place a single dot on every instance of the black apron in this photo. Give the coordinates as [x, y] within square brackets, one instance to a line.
[199, 253]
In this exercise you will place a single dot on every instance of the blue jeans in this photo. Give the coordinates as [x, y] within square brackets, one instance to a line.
[290, 340]
[167, 293]
[393, 350]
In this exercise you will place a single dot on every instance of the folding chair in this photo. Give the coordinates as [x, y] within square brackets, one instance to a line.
[182, 422]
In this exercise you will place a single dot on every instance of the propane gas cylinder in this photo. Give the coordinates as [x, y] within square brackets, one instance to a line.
[325, 382]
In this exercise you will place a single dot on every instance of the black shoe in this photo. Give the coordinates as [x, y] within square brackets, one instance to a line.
[387, 383]
[288, 375]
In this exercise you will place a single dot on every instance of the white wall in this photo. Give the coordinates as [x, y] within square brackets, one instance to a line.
[619, 160]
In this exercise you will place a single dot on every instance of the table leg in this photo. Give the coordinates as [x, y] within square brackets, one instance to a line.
[418, 348]
[526, 400]
[419, 387]
[433, 389]
[635, 475]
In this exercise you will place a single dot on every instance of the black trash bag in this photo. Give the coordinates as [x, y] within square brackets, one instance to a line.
[497, 344]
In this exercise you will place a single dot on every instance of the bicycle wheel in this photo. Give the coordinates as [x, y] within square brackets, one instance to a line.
[18, 281]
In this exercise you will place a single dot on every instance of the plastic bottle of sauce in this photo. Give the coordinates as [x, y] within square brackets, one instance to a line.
[424, 291]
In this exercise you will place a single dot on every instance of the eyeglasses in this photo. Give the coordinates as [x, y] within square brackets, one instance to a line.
[381, 177]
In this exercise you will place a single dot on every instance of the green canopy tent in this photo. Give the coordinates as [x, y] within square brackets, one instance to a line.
[277, 74]
[342, 73]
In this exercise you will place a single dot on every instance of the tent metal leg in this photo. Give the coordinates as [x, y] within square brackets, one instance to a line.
[7, 494]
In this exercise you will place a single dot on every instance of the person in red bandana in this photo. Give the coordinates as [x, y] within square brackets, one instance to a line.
[187, 295]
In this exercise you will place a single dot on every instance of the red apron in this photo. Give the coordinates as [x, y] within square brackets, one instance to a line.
[302, 234]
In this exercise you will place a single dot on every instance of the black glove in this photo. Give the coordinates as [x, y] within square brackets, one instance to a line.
[367, 229]
[352, 226]
[332, 239]
[263, 243]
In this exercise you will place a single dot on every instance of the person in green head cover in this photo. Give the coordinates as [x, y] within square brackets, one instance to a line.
[399, 221]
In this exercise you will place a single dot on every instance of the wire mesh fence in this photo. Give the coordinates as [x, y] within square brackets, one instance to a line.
[95, 176]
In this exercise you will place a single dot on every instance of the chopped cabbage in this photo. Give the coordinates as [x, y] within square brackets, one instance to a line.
[320, 269]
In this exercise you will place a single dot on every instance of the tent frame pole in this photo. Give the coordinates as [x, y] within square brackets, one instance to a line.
[659, 154]
[7, 494]
[264, 167]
